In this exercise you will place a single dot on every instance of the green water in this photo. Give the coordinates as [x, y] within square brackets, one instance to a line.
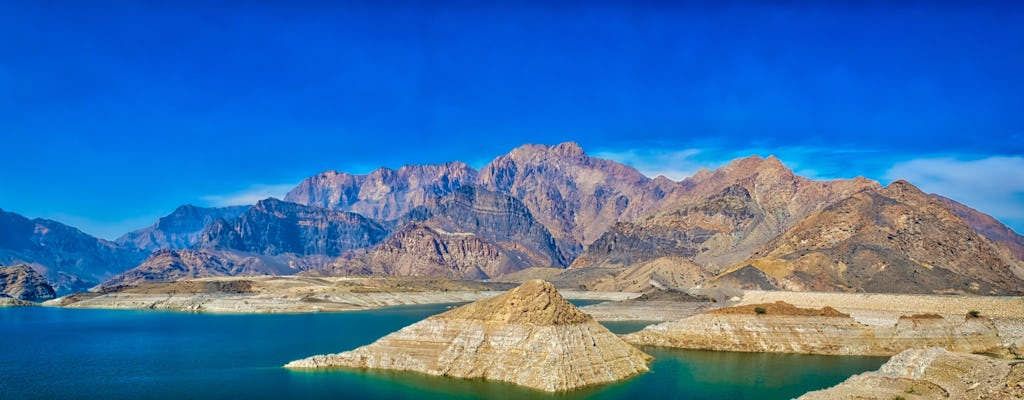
[64, 353]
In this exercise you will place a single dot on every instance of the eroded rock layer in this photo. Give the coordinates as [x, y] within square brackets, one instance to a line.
[528, 336]
[933, 373]
[783, 328]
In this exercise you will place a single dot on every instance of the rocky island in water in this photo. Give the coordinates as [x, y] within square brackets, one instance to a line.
[528, 336]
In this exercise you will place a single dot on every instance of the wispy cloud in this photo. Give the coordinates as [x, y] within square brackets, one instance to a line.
[811, 162]
[672, 164]
[994, 185]
[249, 195]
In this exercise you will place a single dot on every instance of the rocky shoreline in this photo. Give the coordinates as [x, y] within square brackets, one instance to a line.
[783, 328]
[295, 294]
[933, 373]
[847, 324]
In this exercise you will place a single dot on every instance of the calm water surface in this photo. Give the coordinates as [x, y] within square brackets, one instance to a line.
[65, 353]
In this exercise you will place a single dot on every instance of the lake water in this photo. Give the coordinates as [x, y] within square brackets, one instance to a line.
[104, 354]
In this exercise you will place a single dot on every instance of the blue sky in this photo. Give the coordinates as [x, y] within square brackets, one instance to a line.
[113, 115]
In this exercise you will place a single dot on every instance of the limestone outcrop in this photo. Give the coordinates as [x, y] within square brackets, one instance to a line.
[529, 336]
[933, 373]
[783, 328]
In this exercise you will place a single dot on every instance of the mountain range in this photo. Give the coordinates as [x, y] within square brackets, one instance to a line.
[750, 223]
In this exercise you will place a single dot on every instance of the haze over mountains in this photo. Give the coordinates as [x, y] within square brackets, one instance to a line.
[751, 223]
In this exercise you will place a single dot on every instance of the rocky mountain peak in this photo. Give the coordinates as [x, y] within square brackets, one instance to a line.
[901, 189]
[384, 193]
[535, 302]
[541, 152]
[576, 197]
[756, 165]
[274, 227]
[276, 207]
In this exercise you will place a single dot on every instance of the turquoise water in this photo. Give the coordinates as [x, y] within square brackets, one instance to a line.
[64, 353]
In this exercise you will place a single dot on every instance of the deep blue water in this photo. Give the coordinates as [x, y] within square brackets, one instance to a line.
[66, 353]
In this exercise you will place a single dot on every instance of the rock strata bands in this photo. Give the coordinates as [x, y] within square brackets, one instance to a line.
[529, 336]
[933, 373]
[783, 328]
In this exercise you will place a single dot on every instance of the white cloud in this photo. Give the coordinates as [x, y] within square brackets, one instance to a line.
[672, 164]
[249, 195]
[993, 185]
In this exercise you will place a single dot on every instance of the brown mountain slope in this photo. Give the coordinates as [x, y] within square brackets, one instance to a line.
[987, 227]
[721, 216]
[577, 197]
[896, 239]
[24, 283]
[384, 194]
[495, 217]
[420, 250]
[665, 273]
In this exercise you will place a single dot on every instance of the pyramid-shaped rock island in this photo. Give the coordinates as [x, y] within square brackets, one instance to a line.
[529, 336]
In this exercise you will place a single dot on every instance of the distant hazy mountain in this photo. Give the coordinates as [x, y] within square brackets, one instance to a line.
[69, 259]
[178, 230]
[275, 227]
[384, 194]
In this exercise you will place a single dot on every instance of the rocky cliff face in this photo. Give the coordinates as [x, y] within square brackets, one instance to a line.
[24, 283]
[897, 240]
[529, 336]
[577, 197]
[933, 373]
[178, 230]
[276, 227]
[69, 259]
[783, 328]
[383, 194]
